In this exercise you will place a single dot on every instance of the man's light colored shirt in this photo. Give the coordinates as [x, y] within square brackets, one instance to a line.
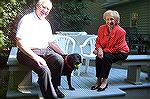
[35, 33]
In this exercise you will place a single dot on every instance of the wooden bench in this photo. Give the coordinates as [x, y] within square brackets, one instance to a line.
[21, 77]
[134, 63]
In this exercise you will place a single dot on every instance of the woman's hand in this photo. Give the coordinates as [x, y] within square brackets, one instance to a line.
[95, 52]
[100, 52]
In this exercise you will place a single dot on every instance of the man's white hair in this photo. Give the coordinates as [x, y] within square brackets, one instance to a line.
[47, 3]
[43, 1]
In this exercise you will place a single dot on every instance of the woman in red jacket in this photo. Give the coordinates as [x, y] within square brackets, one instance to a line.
[110, 47]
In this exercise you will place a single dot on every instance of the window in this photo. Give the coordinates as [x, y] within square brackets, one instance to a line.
[134, 19]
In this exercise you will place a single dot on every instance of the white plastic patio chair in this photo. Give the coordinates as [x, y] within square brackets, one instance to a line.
[66, 43]
[87, 49]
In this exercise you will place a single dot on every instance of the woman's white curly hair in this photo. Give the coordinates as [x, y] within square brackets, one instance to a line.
[112, 13]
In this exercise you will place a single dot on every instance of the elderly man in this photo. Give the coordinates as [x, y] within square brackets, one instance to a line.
[38, 51]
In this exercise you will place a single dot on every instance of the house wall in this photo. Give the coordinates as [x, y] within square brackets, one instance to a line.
[125, 9]
[142, 8]
[96, 11]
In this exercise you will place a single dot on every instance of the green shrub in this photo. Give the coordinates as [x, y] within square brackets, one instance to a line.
[9, 10]
[71, 15]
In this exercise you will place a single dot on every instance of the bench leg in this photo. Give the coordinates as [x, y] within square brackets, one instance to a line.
[22, 79]
[26, 84]
[20, 85]
[148, 73]
[133, 74]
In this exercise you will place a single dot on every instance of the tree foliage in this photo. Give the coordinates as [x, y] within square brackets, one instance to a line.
[67, 15]
[9, 9]
[71, 15]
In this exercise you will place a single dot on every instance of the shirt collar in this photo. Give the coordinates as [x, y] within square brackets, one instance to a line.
[36, 17]
[113, 32]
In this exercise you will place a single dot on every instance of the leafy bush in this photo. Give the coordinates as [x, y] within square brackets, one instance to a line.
[71, 15]
[1, 39]
[9, 11]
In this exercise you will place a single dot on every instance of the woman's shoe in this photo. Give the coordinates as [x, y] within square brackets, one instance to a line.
[95, 87]
[102, 89]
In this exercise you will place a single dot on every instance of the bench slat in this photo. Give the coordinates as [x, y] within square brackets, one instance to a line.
[138, 57]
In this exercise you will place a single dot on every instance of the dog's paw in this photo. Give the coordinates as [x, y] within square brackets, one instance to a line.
[71, 88]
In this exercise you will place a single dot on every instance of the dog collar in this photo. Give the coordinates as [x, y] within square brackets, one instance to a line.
[66, 62]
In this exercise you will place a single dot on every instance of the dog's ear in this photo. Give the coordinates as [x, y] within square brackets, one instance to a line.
[80, 59]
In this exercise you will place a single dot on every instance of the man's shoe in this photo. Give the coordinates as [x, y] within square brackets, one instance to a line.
[59, 93]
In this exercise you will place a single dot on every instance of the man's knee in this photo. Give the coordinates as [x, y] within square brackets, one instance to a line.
[45, 71]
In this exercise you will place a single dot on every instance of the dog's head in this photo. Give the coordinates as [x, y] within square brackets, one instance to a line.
[73, 60]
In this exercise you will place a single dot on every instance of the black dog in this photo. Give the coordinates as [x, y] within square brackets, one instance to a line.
[71, 62]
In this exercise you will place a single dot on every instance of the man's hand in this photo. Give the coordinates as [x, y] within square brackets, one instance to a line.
[40, 61]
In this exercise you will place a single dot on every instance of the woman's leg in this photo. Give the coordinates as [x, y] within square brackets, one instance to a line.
[99, 67]
[107, 61]
[99, 73]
